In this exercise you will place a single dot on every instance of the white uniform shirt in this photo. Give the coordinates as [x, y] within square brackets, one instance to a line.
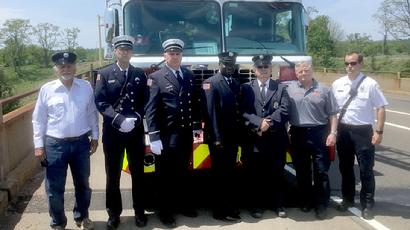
[265, 89]
[63, 113]
[175, 71]
[361, 109]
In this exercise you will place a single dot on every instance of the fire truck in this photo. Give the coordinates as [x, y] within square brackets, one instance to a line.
[208, 27]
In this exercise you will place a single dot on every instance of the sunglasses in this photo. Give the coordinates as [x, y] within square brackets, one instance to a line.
[353, 63]
[263, 66]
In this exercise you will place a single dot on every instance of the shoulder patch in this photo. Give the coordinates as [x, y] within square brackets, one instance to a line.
[206, 86]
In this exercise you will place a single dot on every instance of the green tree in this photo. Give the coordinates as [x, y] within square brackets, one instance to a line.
[358, 42]
[6, 89]
[320, 43]
[47, 36]
[382, 17]
[69, 38]
[15, 34]
[34, 55]
[394, 15]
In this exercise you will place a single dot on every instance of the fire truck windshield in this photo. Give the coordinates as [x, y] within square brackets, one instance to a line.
[197, 23]
[264, 27]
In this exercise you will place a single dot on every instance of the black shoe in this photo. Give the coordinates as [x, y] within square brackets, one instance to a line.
[140, 220]
[281, 212]
[344, 206]
[321, 212]
[367, 214]
[256, 213]
[113, 222]
[305, 208]
[189, 213]
[225, 218]
[234, 214]
[167, 220]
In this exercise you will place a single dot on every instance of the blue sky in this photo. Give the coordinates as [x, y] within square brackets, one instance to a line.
[354, 16]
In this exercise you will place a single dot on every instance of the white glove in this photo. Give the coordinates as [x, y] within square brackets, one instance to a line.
[127, 125]
[156, 147]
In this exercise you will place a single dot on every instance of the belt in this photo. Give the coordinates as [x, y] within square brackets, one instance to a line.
[342, 125]
[309, 127]
[71, 139]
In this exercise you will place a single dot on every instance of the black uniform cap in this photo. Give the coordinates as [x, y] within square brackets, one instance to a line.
[123, 41]
[62, 58]
[227, 57]
[263, 59]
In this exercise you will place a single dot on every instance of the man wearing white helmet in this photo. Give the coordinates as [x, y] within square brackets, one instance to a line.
[169, 115]
[120, 96]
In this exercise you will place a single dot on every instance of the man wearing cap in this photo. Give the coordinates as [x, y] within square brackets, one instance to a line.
[169, 115]
[63, 119]
[120, 96]
[222, 130]
[265, 106]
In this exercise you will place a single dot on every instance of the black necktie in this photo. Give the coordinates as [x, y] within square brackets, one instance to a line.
[263, 96]
[230, 82]
[179, 78]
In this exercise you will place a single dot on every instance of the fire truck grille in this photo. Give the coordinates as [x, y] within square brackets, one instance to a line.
[244, 75]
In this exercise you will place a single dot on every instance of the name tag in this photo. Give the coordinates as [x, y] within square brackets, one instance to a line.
[111, 81]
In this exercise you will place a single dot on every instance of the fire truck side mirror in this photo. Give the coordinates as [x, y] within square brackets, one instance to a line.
[111, 22]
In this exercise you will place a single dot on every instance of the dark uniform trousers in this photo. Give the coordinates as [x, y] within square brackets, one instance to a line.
[356, 140]
[173, 174]
[119, 97]
[170, 113]
[308, 147]
[222, 124]
[134, 145]
[264, 173]
[263, 156]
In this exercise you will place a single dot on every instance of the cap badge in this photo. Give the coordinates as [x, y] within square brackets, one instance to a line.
[65, 55]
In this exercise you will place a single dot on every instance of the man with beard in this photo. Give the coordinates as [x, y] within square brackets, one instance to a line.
[63, 119]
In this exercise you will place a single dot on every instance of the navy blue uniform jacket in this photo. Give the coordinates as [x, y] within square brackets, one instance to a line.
[171, 105]
[276, 107]
[222, 118]
[114, 107]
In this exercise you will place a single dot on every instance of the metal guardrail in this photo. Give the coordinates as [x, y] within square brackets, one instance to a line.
[398, 75]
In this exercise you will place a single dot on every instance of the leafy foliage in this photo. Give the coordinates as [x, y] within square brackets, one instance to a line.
[16, 35]
[47, 36]
[320, 44]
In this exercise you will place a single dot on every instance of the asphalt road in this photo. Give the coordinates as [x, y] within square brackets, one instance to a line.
[392, 208]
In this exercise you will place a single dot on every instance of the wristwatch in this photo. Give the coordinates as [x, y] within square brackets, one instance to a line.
[379, 131]
[334, 133]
